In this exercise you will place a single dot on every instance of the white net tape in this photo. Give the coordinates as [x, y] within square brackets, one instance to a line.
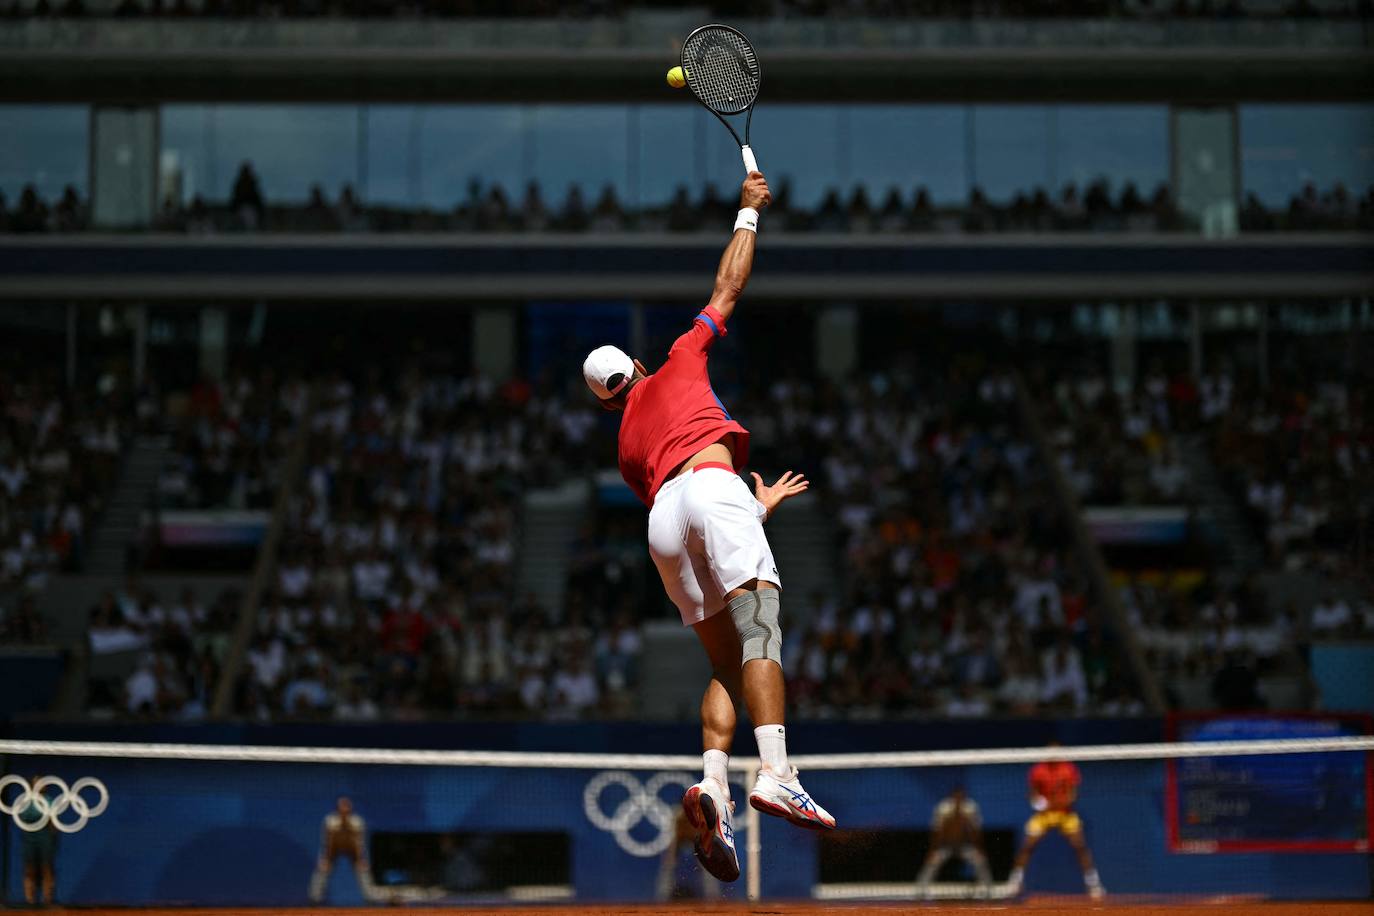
[275, 754]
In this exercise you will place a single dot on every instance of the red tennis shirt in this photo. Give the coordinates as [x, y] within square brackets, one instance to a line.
[673, 414]
[1057, 781]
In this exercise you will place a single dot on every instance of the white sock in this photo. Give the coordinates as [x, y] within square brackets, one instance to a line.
[716, 765]
[772, 742]
[1091, 879]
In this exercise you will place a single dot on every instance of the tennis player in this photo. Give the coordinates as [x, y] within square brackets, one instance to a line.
[680, 452]
[956, 830]
[1053, 791]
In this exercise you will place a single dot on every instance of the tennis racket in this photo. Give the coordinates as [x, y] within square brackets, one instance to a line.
[723, 73]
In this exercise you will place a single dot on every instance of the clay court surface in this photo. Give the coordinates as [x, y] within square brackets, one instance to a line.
[785, 909]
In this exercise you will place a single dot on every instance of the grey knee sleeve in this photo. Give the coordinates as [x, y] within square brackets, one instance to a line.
[756, 619]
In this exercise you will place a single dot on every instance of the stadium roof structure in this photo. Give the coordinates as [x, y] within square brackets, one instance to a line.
[168, 60]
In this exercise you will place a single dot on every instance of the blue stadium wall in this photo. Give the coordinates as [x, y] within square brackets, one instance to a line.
[243, 834]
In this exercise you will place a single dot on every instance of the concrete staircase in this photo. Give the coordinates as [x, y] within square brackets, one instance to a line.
[674, 670]
[123, 516]
[68, 599]
[1242, 550]
[803, 540]
[550, 520]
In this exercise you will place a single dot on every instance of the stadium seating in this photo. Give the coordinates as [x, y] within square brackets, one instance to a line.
[1095, 208]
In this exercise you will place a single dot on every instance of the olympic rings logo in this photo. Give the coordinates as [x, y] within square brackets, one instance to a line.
[50, 807]
[642, 803]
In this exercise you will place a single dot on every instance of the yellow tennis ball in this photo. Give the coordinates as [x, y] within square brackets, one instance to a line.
[676, 78]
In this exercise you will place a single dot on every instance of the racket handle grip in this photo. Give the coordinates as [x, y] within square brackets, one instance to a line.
[750, 163]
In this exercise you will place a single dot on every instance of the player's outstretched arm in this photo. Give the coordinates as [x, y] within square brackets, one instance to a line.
[788, 485]
[738, 261]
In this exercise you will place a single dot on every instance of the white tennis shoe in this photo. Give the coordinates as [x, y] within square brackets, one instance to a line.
[787, 799]
[711, 813]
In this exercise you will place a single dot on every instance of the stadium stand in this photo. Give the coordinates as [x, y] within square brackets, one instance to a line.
[405, 541]
[60, 454]
[963, 596]
[395, 590]
[1300, 455]
[1294, 459]
[962, 593]
[179, 646]
[228, 442]
[1094, 208]
[1121, 449]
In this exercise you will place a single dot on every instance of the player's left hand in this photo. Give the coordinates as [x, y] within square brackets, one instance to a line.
[788, 485]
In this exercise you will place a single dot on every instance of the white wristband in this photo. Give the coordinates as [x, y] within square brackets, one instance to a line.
[748, 219]
[761, 511]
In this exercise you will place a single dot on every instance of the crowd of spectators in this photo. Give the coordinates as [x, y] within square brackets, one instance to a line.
[1299, 454]
[1121, 447]
[1234, 637]
[1094, 208]
[1297, 457]
[1311, 210]
[229, 439]
[31, 213]
[493, 209]
[180, 646]
[396, 591]
[1203, 631]
[583, 9]
[60, 453]
[962, 596]
[20, 622]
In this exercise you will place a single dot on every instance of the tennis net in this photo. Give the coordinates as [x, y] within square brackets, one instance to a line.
[156, 824]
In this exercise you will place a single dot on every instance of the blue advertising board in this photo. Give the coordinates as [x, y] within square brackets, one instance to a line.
[1270, 802]
[241, 834]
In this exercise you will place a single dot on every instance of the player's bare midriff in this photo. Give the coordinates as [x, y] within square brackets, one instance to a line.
[722, 450]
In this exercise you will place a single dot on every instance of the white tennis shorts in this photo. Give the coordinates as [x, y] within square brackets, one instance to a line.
[706, 538]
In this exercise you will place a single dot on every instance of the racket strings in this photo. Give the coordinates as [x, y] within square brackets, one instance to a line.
[722, 70]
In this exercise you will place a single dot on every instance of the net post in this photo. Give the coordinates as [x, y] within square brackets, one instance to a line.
[753, 849]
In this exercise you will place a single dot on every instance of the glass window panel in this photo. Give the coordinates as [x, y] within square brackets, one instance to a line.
[47, 146]
[1205, 183]
[586, 146]
[392, 156]
[461, 144]
[1283, 147]
[909, 146]
[1011, 149]
[290, 147]
[188, 154]
[666, 152]
[1122, 143]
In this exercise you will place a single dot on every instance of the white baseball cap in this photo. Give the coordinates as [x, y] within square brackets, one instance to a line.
[601, 365]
